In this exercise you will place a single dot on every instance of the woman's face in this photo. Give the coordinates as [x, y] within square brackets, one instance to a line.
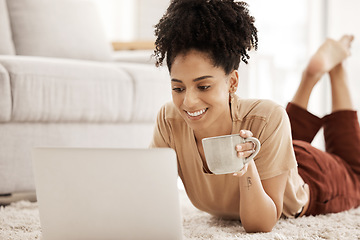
[200, 91]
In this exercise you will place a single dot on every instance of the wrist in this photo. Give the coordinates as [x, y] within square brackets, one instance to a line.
[247, 169]
[250, 179]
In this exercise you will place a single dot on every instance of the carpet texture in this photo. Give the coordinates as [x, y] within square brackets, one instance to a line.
[20, 220]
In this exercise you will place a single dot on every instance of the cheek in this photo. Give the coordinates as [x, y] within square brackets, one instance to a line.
[222, 95]
[177, 99]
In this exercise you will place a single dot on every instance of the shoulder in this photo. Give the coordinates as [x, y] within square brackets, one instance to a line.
[163, 135]
[170, 126]
[170, 120]
[168, 112]
[258, 108]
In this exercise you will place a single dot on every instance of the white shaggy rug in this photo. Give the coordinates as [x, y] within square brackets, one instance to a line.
[20, 220]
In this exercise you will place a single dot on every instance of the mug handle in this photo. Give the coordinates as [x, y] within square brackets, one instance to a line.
[257, 148]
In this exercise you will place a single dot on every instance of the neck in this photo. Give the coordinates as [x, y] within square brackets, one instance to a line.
[224, 128]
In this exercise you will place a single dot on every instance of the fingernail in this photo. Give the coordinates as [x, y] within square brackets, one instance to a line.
[238, 147]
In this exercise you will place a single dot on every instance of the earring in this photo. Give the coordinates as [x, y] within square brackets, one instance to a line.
[231, 96]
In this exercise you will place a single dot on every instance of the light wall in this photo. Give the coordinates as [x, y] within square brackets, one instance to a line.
[344, 18]
[289, 33]
[129, 20]
[119, 18]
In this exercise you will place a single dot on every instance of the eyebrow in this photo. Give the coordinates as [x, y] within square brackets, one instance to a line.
[195, 80]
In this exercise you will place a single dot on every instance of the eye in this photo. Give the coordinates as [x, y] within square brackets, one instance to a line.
[203, 88]
[178, 90]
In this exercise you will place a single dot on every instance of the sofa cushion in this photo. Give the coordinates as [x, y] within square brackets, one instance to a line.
[58, 28]
[62, 90]
[6, 44]
[152, 89]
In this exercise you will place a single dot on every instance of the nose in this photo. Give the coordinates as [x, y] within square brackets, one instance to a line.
[191, 98]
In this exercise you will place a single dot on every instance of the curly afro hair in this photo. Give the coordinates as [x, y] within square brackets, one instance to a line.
[223, 29]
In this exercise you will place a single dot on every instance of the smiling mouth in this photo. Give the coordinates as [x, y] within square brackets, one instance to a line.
[197, 113]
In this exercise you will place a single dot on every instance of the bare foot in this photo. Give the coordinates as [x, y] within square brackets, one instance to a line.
[330, 54]
[346, 41]
[328, 58]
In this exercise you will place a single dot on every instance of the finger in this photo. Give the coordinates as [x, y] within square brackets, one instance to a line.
[245, 146]
[245, 154]
[246, 133]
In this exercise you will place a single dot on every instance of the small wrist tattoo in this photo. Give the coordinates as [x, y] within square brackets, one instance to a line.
[249, 183]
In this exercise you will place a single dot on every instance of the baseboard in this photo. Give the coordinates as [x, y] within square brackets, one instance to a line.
[6, 199]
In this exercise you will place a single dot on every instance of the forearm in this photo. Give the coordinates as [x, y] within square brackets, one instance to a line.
[258, 211]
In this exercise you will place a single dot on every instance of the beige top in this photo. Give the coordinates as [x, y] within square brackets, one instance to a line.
[219, 194]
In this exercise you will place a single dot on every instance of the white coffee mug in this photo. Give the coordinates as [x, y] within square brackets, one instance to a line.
[221, 156]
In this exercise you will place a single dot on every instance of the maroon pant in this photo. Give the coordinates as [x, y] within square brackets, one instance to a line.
[333, 176]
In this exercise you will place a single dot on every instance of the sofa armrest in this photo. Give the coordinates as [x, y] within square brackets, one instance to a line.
[5, 96]
[63, 90]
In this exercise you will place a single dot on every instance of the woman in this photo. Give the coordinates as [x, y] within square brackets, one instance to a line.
[203, 42]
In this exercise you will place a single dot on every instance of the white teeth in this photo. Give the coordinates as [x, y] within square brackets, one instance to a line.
[197, 113]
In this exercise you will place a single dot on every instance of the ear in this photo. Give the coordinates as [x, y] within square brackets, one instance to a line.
[233, 81]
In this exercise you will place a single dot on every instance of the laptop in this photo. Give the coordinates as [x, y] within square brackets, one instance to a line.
[105, 193]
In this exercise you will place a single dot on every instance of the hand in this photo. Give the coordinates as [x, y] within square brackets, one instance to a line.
[244, 150]
[242, 171]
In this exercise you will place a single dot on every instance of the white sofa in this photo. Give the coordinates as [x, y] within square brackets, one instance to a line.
[59, 86]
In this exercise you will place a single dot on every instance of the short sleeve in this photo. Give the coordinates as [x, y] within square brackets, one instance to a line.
[161, 136]
[277, 154]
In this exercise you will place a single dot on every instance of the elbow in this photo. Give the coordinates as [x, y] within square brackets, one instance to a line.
[260, 227]
[258, 230]
[259, 223]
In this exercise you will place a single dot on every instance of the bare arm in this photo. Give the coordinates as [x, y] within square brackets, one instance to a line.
[261, 202]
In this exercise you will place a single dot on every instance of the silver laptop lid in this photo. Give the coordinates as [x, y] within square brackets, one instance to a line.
[89, 194]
